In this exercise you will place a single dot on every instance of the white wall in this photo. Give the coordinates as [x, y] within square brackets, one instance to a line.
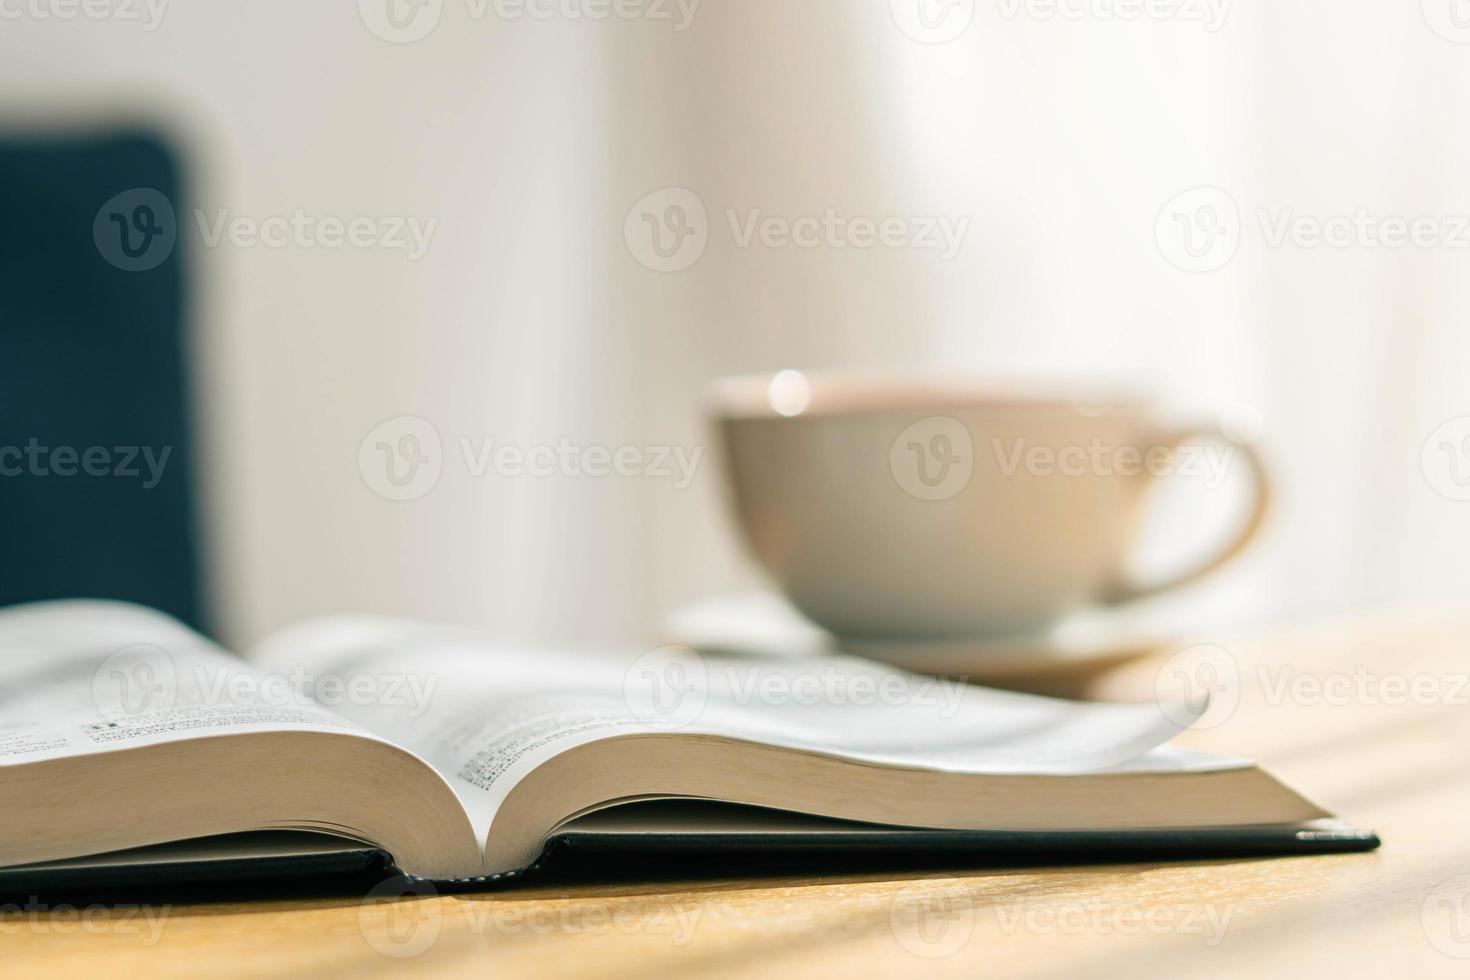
[529, 321]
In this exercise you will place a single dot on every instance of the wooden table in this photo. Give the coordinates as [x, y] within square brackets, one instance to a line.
[1384, 742]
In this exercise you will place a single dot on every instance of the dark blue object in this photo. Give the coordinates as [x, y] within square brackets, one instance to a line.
[96, 461]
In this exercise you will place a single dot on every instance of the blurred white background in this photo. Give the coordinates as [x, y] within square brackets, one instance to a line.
[529, 320]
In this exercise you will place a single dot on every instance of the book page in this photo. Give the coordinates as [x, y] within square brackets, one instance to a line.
[79, 677]
[485, 715]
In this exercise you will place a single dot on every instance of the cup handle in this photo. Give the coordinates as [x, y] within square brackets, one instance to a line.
[1126, 591]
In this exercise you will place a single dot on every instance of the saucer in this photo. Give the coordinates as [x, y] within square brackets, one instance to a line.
[764, 623]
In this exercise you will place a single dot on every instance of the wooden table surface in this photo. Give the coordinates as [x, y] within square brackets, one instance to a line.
[1370, 718]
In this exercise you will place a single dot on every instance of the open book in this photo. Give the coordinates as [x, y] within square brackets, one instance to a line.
[121, 729]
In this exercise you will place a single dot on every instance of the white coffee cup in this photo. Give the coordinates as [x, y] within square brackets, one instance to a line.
[932, 508]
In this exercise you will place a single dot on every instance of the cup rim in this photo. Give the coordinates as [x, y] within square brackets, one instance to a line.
[792, 394]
